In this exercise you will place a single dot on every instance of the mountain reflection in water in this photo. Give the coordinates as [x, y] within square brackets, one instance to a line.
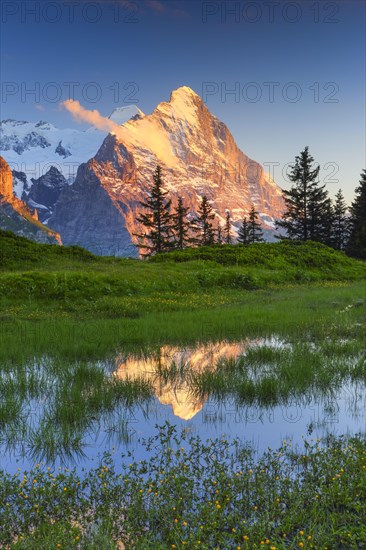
[175, 391]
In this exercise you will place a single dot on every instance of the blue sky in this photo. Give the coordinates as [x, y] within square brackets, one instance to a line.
[297, 68]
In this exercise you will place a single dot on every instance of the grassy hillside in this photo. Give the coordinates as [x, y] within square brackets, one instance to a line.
[21, 254]
[279, 255]
[37, 281]
[36, 270]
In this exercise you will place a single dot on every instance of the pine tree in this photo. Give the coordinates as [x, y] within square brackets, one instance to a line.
[211, 235]
[181, 226]
[219, 234]
[321, 215]
[157, 220]
[340, 232]
[255, 233]
[203, 224]
[227, 229]
[327, 223]
[243, 233]
[357, 242]
[306, 201]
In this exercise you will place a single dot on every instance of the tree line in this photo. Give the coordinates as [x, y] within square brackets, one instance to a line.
[168, 229]
[309, 214]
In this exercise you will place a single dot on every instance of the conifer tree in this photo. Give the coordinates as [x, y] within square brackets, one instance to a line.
[227, 229]
[203, 224]
[341, 225]
[157, 220]
[219, 234]
[243, 233]
[327, 224]
[255, 232]
[357, 242]
[211, 235]
[306, 201]
[181, 226]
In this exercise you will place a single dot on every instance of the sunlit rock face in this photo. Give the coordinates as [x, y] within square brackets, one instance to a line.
[198, 156]
[15, 216]
[6, 179]
[176, 392]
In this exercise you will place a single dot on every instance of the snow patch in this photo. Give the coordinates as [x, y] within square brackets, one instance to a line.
[121, 115]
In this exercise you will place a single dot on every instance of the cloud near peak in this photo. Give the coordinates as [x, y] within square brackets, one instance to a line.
[80, 114]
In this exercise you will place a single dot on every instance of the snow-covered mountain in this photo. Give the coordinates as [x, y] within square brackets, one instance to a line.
[198, 156]
[31, 148]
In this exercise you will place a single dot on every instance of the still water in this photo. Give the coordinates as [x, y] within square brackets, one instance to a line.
[312, 414]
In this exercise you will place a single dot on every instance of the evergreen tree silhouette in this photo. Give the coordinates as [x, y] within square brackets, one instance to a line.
[157, 220]
[243, 233]
[341, 222]
[306, 202]
[203, 224]
[181, 226]
[255, 232]
[357, 242]
[227, 229]
[219, 234]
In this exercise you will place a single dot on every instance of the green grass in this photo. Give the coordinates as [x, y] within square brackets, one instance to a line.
[313, 312]
[266, 377]
[192, 494]
[20, 254]
[275, 256]
[69, 302]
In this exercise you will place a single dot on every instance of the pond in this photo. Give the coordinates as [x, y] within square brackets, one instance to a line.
[262, 390]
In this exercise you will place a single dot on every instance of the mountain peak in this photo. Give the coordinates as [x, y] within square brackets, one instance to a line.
[14, 122]
[53, 171]
[184, 104]
[184, 92]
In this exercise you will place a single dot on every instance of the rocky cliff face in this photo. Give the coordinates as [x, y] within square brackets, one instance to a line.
[15, 216]
[198, 156]
[6, 179]
[92, 212]
[45, 192]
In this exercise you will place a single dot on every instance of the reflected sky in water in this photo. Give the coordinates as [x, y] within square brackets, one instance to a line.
[341, 410]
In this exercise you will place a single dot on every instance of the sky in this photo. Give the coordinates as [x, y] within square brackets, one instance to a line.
[281, 75]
